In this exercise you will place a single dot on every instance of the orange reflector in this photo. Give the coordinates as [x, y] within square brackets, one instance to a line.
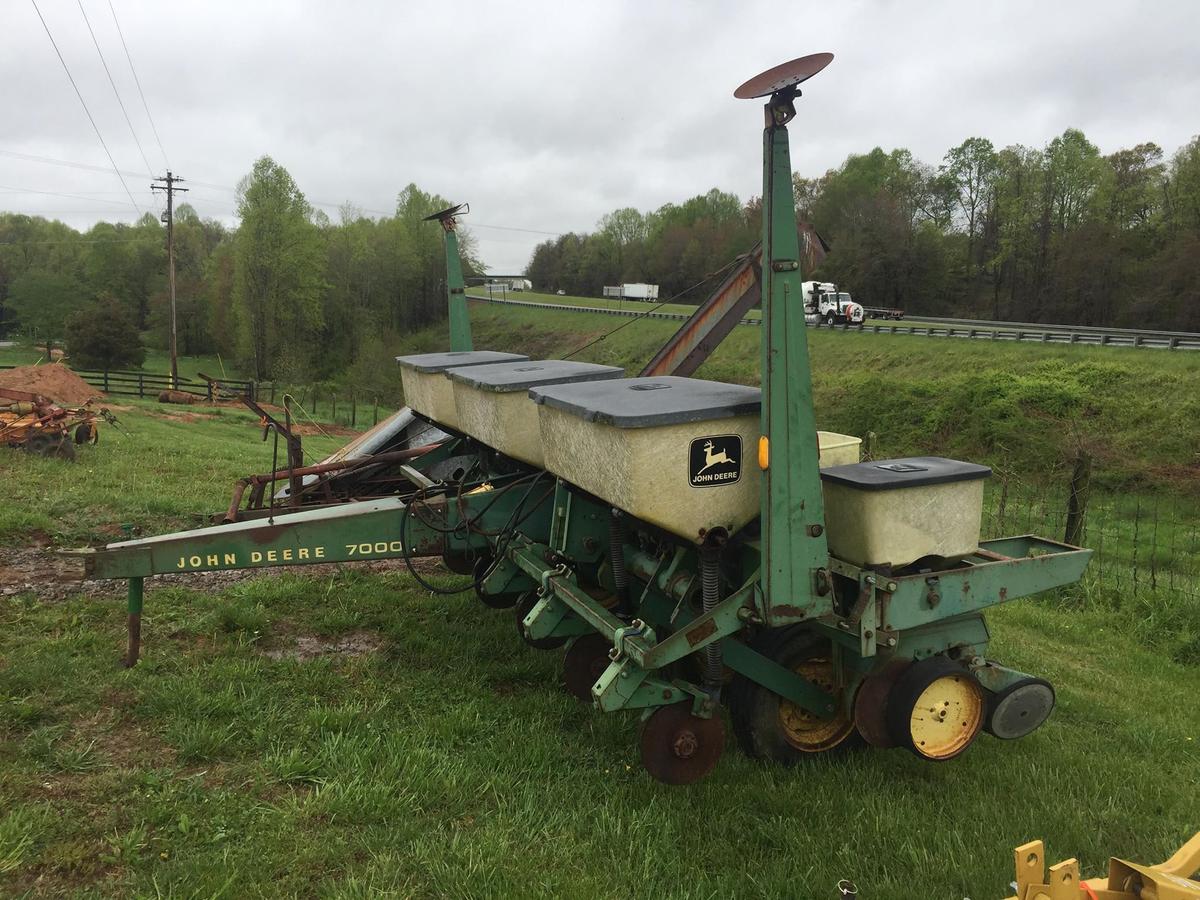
[764, 452]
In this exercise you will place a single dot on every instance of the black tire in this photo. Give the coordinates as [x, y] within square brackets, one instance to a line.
[754, 711]
[830, 319]
[460, 562]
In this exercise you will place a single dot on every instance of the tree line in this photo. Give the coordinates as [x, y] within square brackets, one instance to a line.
[289, 294]
[1059, 234]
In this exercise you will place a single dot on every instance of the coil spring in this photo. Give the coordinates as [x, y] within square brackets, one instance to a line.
[616, 555]
[710, 592]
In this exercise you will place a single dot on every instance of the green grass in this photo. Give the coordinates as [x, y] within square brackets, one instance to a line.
[157, 362]
[1023, 407]
[447, 762]
[638, 306]
[165, 473]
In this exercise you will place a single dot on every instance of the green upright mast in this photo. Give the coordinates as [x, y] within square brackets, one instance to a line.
[794, 550]
[456, 291]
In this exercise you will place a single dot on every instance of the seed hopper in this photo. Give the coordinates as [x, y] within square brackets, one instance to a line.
[699, 551]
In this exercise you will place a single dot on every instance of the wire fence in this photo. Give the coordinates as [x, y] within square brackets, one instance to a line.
[1141, 541]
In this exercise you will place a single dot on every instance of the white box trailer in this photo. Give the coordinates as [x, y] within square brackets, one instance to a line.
[634, 291]
[639, 291]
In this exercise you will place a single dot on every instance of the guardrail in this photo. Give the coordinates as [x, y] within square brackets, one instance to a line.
[948, 328]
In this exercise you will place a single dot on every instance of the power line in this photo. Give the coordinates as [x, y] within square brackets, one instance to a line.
[116, 93]
[144, 240]
[85, 107]
[138, 82]
[221, 187]
[62, 162]
[514, 228]
[57, 194]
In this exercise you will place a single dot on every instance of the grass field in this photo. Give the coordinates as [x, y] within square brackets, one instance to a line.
[637, 306]
[1027, 407]
[174, 464]
[347, 735]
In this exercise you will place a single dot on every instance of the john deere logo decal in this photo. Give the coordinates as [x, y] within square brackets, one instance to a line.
[715, 460]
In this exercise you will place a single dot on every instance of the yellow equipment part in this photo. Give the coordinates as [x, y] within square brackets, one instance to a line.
[1171, 880]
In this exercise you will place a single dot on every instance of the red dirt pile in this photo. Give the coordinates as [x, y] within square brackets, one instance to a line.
[53, 380]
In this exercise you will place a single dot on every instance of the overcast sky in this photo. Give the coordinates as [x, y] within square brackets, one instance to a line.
[546, 116]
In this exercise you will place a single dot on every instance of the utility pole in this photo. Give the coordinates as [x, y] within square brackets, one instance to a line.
[169, 183]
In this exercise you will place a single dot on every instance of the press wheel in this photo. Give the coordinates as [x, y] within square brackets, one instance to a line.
[936, 708]
[522, 608]
[768, 726]
[584, 662]
[678, 747]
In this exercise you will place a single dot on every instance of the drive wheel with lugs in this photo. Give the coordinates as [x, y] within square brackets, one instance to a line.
[768, 726]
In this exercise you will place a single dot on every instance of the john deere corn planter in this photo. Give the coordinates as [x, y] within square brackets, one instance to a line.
[699, 549]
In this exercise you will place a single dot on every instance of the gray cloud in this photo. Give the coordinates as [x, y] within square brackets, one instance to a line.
[547, 115]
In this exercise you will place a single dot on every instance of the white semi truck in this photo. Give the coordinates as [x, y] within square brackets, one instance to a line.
[824, 304]
[636, 291]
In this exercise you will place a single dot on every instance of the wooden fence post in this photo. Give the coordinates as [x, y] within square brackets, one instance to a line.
[353, 409]
[376, 419]
[1081, 477]
[141, 385]
[333, 415]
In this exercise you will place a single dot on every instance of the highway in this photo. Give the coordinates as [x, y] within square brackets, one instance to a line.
[925, 326]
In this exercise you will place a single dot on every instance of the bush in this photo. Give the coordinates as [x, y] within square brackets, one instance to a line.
[104, 336]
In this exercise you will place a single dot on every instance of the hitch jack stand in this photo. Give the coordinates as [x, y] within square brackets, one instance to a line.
[135, 622]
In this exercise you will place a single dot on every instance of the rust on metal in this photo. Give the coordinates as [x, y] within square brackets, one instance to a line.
[135, 640]
[728, 305]
[700, 632]
[783, 76]
[258, 483]
[712, 320]
[678, 747]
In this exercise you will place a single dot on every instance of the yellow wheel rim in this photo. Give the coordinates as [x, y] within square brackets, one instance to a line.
[806, 731]
[947, 716]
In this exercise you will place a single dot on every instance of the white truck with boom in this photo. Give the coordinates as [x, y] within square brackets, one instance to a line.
[824, 304]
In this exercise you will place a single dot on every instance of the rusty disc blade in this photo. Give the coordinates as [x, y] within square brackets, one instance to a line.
[870, 710]
[679, 748]
[444, 213]
[583, 663]
[784, 75]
